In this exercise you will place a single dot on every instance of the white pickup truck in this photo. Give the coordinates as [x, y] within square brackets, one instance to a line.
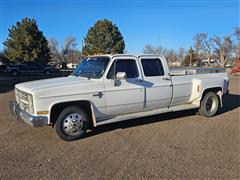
[110, 88]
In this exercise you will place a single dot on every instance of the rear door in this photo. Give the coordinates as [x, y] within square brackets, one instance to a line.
[157, 83]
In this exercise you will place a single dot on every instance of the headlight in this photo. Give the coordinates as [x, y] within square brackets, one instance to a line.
[24, 100]
[30, 103]
[17, 95]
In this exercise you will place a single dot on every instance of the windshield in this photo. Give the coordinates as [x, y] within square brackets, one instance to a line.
[92, 67]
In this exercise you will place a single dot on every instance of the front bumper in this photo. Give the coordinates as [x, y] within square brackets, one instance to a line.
[35, 121]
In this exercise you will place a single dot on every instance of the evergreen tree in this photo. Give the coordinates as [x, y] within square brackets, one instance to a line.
[103, 38]
[27, 43]
[3, 58]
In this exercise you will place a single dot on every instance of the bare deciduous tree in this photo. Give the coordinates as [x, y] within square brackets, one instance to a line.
[205, 44]
[171, 56]
[54, 51]
[223, 48]
[69, 44]
[237, 50]
[149, 49]
[237, 33]
[68, 52]
[181, 54]
[237, 45]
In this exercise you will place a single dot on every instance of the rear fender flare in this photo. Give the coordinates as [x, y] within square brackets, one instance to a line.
[220, 94]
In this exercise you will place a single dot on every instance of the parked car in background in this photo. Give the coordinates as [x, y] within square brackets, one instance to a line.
[214, 63]
[3, 69]
[63, 65]
[30, 68]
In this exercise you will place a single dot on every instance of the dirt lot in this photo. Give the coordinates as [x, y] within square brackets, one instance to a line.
[179, 145]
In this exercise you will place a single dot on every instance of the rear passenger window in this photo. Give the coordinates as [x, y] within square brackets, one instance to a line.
[152, 67]
[128, 66]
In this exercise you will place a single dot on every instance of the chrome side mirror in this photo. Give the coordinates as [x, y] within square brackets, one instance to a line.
[121, 76]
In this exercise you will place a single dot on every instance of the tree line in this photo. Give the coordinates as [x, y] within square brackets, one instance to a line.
[225, 49]
[26, 42]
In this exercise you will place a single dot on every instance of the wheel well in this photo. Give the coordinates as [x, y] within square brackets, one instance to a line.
[215, 90]
[47, 69]
[58, 108]
[13, 70]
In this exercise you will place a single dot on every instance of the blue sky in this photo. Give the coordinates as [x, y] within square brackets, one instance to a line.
[171, 24]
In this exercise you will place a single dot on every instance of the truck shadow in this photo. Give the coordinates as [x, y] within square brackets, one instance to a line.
[230, 102]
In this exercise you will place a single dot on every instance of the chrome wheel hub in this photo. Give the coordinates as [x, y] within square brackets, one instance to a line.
[73, 124]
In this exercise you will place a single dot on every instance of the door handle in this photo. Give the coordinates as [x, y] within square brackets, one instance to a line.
[166, 79]
[100, 95]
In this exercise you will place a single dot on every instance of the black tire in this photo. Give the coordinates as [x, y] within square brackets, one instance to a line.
[209, 105]
[64, 128]
[47, 72]
[14, 72]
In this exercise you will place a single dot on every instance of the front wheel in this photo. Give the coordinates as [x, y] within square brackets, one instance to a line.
[72, 123]
[47, 72]
[14, 72]
[209, 105]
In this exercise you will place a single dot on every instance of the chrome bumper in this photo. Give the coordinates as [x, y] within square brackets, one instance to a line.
[35, 121]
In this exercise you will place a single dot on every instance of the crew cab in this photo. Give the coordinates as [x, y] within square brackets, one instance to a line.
[110, 88]
[29, 68]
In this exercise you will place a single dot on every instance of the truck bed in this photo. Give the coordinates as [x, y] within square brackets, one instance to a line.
[189, 83]
[191, 71]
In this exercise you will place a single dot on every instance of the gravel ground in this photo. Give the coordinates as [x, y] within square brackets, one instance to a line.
[172, 146]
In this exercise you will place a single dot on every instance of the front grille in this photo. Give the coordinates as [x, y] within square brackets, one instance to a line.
[24, 96]
[22, 100]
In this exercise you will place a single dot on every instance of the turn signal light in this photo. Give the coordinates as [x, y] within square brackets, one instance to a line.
[198, 88]
[42, 112]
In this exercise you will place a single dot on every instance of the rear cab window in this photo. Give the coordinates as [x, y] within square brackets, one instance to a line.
[152, 67]
[129, 66]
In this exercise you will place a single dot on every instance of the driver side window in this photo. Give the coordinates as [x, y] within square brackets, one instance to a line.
[128, 66]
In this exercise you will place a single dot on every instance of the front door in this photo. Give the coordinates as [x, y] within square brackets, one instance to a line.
[124, 96]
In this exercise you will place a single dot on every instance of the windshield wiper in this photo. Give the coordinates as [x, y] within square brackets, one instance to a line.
[86, 76]
[89, 75]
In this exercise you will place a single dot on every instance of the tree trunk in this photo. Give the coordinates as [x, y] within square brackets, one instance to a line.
[223, 60]
[190, 60]
[209, 60]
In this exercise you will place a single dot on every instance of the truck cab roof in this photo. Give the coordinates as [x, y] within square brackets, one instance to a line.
[126, 55]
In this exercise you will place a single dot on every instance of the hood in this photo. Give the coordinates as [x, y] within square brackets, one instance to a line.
[61, 86]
